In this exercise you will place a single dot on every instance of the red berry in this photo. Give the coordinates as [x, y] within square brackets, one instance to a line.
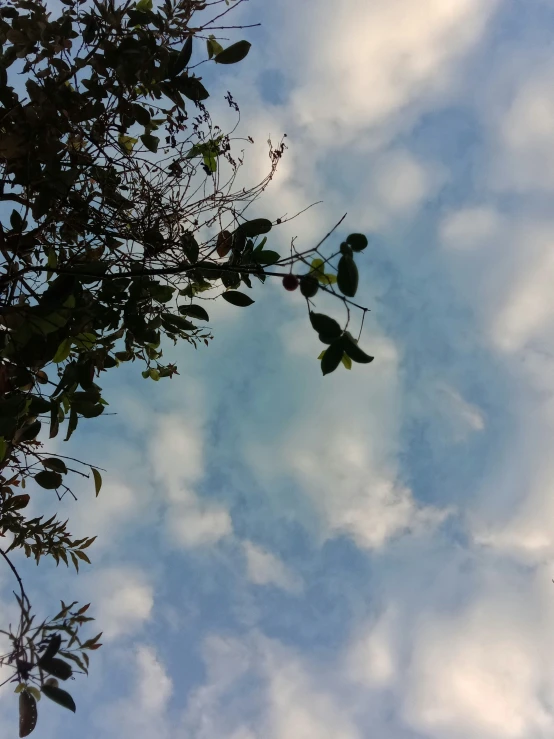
[290, 282]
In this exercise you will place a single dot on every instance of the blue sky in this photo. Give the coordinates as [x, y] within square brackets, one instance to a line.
[287, 556]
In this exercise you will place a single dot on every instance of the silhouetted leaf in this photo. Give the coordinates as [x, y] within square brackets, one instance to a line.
[48, 480]
[236, 298]
[234, 53]
[59, 696]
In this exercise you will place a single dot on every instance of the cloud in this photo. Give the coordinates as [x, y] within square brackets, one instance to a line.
[123, 600]
[371, 658]
[143, 714]
[264, 568]
[177, 458]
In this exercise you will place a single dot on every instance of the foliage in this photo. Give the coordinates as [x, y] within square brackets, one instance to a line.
[119, 216]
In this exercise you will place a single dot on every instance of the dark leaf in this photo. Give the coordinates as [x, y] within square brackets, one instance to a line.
[192, 88]
[350, 346]
[255, 227]
[151, 142]
[325, 326]
[97, 480]
[27, 713]
[59, 696]
[332, 357]
[55, 464]
[49, 480]
[234, 53]
[183, 58]
[266, 257]
[194, 311]
[347, 276]
[53, 647]
[56, 667]
[236, 298]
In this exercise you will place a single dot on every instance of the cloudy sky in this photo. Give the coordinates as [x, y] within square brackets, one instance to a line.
[286, 556]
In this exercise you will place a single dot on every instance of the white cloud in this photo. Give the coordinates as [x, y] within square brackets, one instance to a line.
[143, 714]
[380, 57]
[480, 673]
[371, 659]
[471, 228]
[123, 600]
[264, 568]
[198, 524]
[177, 457]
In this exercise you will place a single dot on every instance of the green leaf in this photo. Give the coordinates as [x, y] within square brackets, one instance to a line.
[350, 346]
[49, 480]
[256, 227]
[236, 298]
[347, 362]
[35, 692]
[328, 279]
[213, 46]
[234, 53]
[332, 357]
[357, 242]
[59, 696]
[151, 142]
[126, 143]
[266, 257]
[347, 277]
[325, 326]
[55, 464]
[194, 311]
[144, 5]
[97, 480]
[62, 351]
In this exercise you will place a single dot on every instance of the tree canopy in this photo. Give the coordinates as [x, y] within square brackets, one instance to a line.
[120, 220]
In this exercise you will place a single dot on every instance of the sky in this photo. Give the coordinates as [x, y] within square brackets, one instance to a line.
[369, 554]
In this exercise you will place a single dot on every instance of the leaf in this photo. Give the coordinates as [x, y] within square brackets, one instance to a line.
[3, 448]
[194, 311]
[329, 279]
[350, 346]
[62, 352]
[18, 502]
[347, 276]
[266, 257]
[214, 47]
[56, 667]
[256, 227]
[16, 221]
[48, 480]
[144, 5]
[97, 480]
[234, 53]
[151, 142]
[59, 696]
[53, 647]
[172, 322]
[192, 88]
[72, 425]
[325, 326]
[347, 362]
[183, 57]
[126, 143]
[27, 713]
[55, 464]
[332, 357]
[35, 692]
[236, 298]
[224, 243]
[357, 242]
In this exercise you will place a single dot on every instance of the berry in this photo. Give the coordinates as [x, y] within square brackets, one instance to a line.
[290, 282]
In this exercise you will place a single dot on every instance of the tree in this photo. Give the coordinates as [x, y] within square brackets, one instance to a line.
[120, 219]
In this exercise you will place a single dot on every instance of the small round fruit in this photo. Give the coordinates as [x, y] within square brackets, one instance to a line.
[309, 286]
[290, 282]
